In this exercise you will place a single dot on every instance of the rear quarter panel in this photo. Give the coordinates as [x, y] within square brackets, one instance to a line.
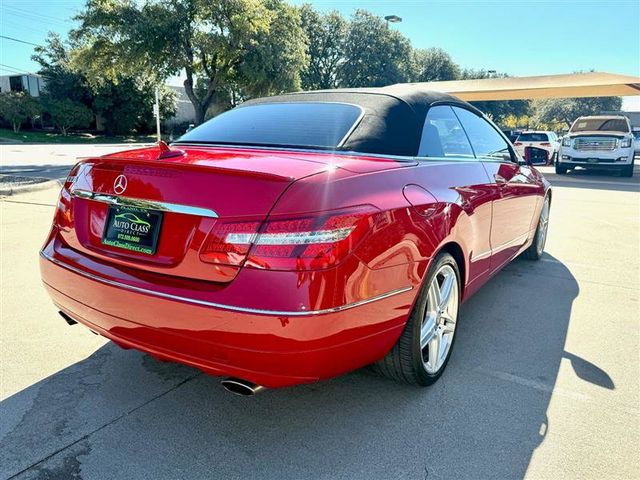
[458, 210]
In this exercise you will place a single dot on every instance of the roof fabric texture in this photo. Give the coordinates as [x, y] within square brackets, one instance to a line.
[393, 116]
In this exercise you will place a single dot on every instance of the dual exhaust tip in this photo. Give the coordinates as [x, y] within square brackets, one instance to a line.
[237, 386]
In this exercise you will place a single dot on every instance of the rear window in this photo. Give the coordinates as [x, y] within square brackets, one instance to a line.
[533, 137]
[602, 124]
[308, 125]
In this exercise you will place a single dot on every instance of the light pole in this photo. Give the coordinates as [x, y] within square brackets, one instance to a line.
[156, 113]
[392, 19]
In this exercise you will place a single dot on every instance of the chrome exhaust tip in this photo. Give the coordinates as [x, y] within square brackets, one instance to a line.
[237, 386]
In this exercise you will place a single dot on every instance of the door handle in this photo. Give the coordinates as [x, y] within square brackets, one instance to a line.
[500, 180]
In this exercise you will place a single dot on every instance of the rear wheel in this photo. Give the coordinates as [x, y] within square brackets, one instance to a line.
[534, 252]
[421, 353]
[560, 170]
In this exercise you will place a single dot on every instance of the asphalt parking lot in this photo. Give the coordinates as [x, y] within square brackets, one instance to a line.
[544, 381]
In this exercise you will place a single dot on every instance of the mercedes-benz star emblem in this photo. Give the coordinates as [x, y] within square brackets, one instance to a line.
[120, 185]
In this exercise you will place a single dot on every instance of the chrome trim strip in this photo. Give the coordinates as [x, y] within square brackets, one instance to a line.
[143, 203]
[353, 127]
[221, 305]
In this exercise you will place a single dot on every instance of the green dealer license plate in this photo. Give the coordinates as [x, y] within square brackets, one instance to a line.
[132, 228]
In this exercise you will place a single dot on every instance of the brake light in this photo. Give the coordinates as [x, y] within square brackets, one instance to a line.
[307, 242]
[517, 144]
[545, 144]
[217, 248]
[63, 218]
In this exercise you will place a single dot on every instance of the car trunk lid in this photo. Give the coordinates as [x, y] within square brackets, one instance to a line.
[181, 197]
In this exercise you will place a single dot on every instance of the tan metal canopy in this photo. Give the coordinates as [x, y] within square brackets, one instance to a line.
[592, 84]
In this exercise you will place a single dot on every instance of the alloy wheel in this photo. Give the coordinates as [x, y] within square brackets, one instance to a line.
[439, 323]
[543, 224]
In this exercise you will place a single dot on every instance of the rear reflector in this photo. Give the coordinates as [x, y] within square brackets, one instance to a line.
[308, 242]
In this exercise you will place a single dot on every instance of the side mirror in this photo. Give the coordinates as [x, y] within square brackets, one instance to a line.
[535, 156]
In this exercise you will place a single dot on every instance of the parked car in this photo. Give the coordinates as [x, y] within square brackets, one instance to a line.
[297, 237]
[598, 142]
[539, 139]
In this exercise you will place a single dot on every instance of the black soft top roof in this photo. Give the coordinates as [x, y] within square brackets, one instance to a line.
[393, 116]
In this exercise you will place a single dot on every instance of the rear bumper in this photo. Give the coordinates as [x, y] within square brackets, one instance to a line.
[274, 349]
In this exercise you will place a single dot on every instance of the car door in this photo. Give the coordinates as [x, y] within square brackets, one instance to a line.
[454, 175]
[515, 193]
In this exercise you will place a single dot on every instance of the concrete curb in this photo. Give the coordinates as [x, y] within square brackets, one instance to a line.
[16, 188]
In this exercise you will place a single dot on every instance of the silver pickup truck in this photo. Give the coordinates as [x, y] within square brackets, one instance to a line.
[602, 142]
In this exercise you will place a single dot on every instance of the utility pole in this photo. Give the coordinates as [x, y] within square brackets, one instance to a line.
[156, 113]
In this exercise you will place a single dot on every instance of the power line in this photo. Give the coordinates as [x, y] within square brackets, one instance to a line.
[18, 40]
[34, 18]
[17, 70]
[9, 70]
[39, 15]
[16, 26]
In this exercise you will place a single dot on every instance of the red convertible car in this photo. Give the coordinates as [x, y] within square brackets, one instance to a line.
[297, 237]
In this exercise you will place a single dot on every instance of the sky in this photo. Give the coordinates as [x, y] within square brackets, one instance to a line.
[534, 37]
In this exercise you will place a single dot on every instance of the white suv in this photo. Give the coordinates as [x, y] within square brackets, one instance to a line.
[602, 142]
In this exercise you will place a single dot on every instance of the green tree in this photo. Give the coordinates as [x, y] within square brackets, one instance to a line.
[565, 110]
[327, 36]
[216, 43]
[62, 80]
[435, 65]
[127, 105]
[375, 55]
[277, 56]
[124, 103]
[17, 107]
[66, 114]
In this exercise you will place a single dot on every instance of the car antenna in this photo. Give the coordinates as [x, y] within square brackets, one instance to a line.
[167, 152]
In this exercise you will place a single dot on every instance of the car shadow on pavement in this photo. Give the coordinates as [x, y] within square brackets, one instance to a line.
[122, 414]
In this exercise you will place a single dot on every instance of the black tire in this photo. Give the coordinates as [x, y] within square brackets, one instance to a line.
[627, 171]
[404, 363]
[560, 170]
[535, 250]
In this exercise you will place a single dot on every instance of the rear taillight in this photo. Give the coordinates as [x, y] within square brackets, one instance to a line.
[517, 144]
[218, 249]
[63, 217]
[545, 144]
[305, 242]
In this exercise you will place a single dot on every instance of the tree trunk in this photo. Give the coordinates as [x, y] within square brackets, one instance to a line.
[16, 127]
[200, 106]
[200, 113]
